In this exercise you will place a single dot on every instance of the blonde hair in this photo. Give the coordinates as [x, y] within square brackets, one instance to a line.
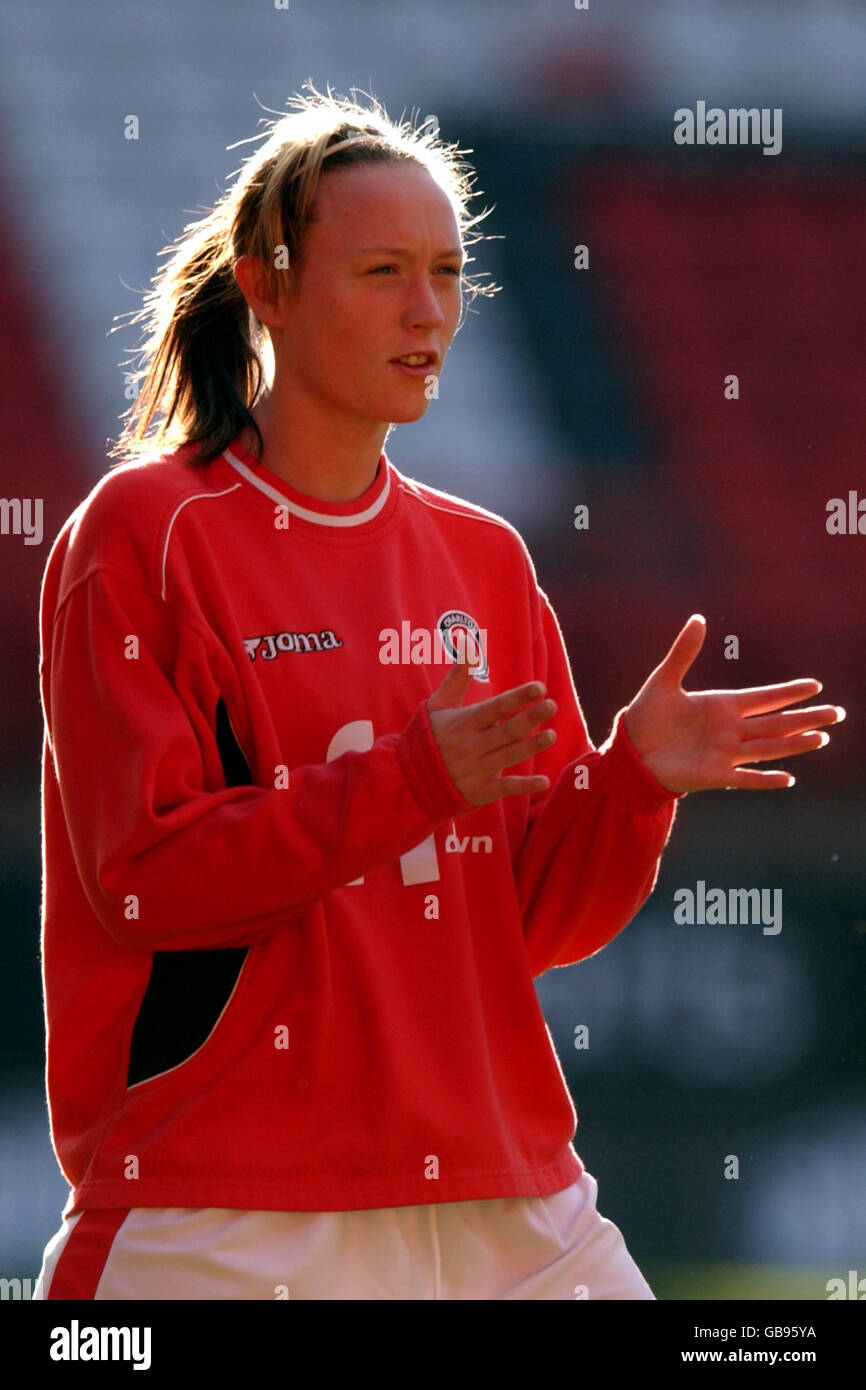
[203, 346]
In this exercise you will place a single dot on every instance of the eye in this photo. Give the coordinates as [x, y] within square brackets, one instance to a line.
[451, 269]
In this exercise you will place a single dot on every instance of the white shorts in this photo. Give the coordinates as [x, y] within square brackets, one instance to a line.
[555, 1247]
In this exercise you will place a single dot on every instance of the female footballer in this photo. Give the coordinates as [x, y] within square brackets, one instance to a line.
[319, 801]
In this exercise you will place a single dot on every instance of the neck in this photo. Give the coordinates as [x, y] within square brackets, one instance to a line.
[322, 454]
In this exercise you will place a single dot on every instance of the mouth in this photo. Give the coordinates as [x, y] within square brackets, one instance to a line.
[416, 363]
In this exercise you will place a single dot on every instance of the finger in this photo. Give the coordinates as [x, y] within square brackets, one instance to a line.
[764, 750]
[454, 686]
[761, 698]
[684, 650]
[501, 735]
[488, 712]
[515, 786]
[793, 721]
[752, 780]
[518, 752]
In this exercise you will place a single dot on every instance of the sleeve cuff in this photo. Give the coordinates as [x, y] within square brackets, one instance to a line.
[630, 778]
[424, 769]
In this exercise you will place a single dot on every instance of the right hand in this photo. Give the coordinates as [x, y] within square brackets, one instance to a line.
[475, 747]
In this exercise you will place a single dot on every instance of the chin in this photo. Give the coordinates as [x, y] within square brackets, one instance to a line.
[405, 415]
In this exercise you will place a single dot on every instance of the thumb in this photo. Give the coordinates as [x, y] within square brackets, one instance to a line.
[683, 651]
[455, 685]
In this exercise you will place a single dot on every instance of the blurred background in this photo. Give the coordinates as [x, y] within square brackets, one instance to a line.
[602, 386]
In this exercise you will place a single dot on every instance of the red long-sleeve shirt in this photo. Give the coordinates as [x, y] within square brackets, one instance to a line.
[286, 965]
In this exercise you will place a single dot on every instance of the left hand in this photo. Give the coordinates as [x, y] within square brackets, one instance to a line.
[696, 740]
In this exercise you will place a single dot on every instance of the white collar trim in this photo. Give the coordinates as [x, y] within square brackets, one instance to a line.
[321, 518]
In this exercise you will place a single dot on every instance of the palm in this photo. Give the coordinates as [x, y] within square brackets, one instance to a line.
[697, 740]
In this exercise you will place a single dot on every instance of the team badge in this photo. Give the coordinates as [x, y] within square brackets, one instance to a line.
[454, 623]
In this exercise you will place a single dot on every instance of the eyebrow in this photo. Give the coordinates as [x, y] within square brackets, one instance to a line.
[453, 251]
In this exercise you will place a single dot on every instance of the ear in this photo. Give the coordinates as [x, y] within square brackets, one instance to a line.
[251, 275]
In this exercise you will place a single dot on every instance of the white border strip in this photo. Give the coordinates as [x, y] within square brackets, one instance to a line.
[357, 519]
[195, 498]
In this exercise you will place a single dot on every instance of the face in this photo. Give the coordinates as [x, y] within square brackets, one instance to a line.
[380, 279]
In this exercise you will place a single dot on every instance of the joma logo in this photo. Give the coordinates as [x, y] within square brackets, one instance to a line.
[267, 648]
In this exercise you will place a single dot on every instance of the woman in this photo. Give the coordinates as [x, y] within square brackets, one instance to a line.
[307, 841]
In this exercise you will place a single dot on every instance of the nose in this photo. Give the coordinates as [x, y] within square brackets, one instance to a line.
[425, 308]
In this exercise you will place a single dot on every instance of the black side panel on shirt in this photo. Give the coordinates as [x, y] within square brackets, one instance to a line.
[188, 990]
